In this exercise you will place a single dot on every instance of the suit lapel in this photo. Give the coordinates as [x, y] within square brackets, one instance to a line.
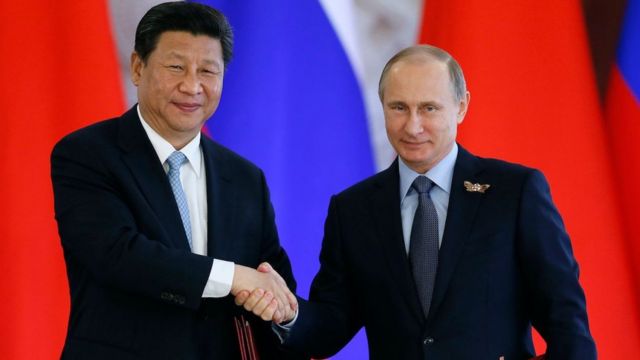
[386, 214]
[141, 159]
[220, 203]
[461, 213]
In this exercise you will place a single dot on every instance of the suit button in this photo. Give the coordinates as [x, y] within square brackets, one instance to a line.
[428, 341]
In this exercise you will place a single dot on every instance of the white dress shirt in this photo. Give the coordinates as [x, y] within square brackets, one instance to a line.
[194, 184]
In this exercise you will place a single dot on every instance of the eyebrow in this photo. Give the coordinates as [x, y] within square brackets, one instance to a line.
[182, 57]
[395, 102]
[422, 103]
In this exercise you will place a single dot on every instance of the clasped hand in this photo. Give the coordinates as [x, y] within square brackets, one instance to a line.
[263, 292]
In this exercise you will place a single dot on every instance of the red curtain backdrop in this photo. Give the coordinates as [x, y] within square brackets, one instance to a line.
[59, 72]
[623, 125]
[534, 101]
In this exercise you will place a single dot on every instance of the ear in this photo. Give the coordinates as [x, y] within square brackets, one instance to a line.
[136, 68]
[464, 106]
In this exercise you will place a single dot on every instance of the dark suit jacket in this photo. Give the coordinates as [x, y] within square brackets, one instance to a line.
[135, 286]
[505, 263]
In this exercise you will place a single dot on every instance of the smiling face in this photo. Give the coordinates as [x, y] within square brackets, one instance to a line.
[421, 112]
[180, 84]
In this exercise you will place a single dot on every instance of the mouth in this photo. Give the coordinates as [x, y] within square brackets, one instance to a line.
[414, 143]
[187, 107]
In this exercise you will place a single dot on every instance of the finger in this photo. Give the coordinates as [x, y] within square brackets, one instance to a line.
[293, 301]
[290, 297]
[253, 299]
[277, 317]
[263, 303]
[268, 313]
[283, 300]
[288, 316]
[242, 297]
[280, 290]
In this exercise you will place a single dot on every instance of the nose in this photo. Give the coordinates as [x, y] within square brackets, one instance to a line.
[413, 126]
[191, 84]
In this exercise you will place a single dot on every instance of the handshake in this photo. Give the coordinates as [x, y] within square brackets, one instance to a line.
[264, 292]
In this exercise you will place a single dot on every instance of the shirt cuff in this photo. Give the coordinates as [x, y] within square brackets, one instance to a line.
[282, 331]
[220, 279]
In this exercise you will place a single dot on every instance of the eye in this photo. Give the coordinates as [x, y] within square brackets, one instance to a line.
[428, 108]
[397, 107]
[209, 72]
[175, 67]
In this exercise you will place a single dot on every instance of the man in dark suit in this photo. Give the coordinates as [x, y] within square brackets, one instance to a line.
[444, 255]
[159, 224]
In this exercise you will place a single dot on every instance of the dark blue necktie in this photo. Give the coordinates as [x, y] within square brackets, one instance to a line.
[423, 248]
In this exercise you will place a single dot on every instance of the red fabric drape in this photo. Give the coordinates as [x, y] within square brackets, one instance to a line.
[534, 101]
[623, 126]
[59, 72]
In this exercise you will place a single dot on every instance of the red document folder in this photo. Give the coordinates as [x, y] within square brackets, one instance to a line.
[246, 341]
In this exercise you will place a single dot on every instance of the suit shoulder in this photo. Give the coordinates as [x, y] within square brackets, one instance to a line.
[95, 133]
[364, 188]
[506, 168]
[512, 176]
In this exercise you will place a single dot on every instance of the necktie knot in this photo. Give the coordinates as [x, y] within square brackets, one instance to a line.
[422, 184]
[175, 160]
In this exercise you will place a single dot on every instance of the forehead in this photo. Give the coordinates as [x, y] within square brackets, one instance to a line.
[418, 76]
[182, 43]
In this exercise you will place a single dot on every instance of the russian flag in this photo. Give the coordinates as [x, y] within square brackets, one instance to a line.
[300, 100]
[623, 125]
[292, 104]
[534, 101]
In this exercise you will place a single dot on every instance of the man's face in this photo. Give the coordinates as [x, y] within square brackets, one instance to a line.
[179, 87]
[421, 112]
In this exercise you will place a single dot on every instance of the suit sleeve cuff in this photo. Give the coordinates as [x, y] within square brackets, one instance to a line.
[282, 330]
[220, 279]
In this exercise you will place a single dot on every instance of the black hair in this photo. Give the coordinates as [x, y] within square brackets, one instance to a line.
[193, 18]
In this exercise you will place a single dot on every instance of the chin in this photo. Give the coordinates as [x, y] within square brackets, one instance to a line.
[414, 156]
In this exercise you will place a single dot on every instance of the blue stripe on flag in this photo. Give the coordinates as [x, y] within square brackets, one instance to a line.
[291, 104]
[629, 48]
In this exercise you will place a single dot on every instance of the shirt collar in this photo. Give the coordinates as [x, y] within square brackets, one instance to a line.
[163, 148]
[441, 174]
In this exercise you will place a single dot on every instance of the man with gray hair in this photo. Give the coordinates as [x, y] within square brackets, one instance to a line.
[444, 255]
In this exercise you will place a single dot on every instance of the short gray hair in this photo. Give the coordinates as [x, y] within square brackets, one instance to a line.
[456, 77]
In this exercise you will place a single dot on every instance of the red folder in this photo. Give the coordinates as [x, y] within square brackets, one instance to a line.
[248, 350]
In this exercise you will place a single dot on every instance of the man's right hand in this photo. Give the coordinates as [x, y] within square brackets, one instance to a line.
[264, 293]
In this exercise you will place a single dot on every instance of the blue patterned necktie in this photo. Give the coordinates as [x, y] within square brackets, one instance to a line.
[423, 247]
[175, 161]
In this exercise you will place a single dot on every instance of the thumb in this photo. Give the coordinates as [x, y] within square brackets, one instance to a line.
[242, 297]
[265, 267]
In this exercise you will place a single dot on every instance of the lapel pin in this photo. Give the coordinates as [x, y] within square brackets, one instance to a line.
[481, 188]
